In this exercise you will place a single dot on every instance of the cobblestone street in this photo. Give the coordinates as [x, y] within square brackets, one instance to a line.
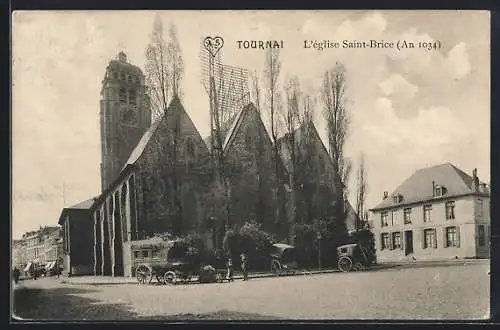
[459, 291]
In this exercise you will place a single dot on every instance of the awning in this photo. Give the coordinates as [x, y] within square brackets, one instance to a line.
[28, 266]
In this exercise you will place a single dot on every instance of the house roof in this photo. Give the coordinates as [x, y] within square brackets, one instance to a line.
[84, 205]
[419, 186]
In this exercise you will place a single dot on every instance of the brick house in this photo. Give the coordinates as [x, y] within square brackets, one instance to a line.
[438, 213]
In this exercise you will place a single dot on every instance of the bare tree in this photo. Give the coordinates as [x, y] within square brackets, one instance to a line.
[361, 191]
[175, 60]
[337, 119]
[291, 120]
[256, 92]
[157, 70]
[272, 69]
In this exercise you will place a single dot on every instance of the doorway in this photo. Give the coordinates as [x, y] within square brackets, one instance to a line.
[408, 242]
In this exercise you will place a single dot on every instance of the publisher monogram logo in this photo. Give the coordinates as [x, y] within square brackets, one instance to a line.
[213, 44]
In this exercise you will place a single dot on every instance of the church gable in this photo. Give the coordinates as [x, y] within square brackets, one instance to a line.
[248, 156]
[174, 166]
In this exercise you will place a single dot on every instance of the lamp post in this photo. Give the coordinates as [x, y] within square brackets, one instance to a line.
[318, 236]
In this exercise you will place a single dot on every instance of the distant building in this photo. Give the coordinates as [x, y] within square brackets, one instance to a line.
[39, 246]
[438, 213]
[19, 257]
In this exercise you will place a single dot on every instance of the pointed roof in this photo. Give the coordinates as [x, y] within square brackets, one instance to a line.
[174, 106]
[419, 188]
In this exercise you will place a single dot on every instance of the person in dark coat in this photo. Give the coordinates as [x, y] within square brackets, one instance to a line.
[16, 273]
[244, 266]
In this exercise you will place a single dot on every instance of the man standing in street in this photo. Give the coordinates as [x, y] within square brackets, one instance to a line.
[244, 266]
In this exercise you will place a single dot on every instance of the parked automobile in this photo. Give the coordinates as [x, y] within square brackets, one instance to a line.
[354, 257]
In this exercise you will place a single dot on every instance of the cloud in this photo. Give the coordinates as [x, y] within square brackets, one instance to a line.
[458, 61]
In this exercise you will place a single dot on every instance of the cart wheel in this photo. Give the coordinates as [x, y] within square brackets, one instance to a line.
[275, 267]
[160, 278]
[144, 274]
[345, 264]
[169, 277]
[358, 266]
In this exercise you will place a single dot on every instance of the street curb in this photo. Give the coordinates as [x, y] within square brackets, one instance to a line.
[377, 267]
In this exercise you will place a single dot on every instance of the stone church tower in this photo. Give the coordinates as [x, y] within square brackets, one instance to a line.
[125, 115]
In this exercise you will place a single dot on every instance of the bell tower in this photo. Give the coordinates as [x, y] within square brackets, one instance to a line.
[125, 115]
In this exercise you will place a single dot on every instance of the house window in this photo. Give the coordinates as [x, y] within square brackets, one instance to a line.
[396, 240]
[394, 218]
[480, 207]
[407, 216]
[451, 237]
[385, 219]
[123, 95]
[429, 238]
[427, 213]
[122, 76]
[130, 79]
[481, 235]
[450, 210]
[385, 241]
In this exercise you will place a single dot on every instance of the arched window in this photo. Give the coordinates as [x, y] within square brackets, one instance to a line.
[190, 148]
[132, 97]
[129, 79]
[123, 95]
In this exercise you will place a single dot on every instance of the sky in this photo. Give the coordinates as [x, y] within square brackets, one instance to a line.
[409, 108]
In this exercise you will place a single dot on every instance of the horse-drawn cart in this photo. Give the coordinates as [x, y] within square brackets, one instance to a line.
[170, 262]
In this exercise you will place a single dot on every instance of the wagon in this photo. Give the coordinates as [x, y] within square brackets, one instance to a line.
[354, 257]
[169, 262]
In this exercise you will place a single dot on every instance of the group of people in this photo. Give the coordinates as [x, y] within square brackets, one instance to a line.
[244, 267]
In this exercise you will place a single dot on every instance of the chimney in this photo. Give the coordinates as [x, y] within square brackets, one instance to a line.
[386, 194]
[475, 181]
[433, 188]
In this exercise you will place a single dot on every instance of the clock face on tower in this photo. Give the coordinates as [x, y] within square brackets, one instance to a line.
[129, 117]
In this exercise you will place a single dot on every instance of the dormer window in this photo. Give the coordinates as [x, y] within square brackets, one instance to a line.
[439, 191]
[397, 198]
[129, 79]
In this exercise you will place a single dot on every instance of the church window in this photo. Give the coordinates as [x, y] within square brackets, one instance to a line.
[190, 148]
[123, 95]
[132, 97]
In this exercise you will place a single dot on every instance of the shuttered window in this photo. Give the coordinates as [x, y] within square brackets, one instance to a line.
[452, 237]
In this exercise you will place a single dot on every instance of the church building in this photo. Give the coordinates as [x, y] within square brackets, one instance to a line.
[159, 177]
